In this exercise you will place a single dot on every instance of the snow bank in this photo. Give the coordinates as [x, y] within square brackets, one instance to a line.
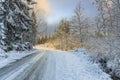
[9, 57]
[90, 67]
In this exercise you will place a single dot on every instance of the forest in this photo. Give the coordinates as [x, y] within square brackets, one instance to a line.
[22, 27]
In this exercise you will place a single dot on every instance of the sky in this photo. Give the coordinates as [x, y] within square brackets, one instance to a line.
[57, 9]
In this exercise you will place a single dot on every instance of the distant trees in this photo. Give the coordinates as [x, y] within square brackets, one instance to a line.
[63, 37]
[71, 33]
[41, 22]
[17, 25]
[62, 33]
[41, 26]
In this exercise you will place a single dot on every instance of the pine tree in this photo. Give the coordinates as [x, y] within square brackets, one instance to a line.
[16, 24]
[63, 33]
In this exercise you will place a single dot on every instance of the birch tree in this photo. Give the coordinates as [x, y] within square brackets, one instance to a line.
[79, 23]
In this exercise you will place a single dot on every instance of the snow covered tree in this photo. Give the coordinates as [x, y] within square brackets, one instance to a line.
[109, 25]
[16, 24]
[62, 39]
[63, 34]
[79, 24]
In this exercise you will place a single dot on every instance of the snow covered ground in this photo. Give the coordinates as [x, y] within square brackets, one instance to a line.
[7, 58]
[20, 69]
[72, 66]
[55, 65]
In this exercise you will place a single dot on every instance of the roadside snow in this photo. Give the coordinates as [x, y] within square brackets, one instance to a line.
[7, 58]
[13, 74]
[58, 65]
[21, 71]
[90, 67]
[73, 65]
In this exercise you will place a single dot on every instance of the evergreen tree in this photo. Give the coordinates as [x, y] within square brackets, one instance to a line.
[16, 24]
[63, 33]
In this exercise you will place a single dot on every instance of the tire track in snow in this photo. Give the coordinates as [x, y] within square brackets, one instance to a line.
[49, 73]
[58, 65]
[38, 69]
[63, 65]
[21, 68]
[11, 67]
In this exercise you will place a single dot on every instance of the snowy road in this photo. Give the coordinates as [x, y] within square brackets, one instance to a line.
[22, 68]
[53, 65]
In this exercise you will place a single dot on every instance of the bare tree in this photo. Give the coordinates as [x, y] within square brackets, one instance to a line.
[79, 23]
[41, 23]
[109, 22]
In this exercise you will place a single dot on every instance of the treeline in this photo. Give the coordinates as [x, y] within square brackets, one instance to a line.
[69, 34]
[61, 38]
[43, 40]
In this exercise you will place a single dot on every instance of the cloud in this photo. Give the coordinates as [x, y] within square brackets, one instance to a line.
[44, 5]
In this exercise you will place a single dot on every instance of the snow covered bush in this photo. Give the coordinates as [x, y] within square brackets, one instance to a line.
[107, 53]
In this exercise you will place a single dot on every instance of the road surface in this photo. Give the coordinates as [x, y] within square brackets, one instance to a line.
[53, 65]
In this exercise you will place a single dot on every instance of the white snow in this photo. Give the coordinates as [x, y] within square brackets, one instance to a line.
[17, 73]
[7, 58]
[72, 66]
[13, 74]
[58, 65]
